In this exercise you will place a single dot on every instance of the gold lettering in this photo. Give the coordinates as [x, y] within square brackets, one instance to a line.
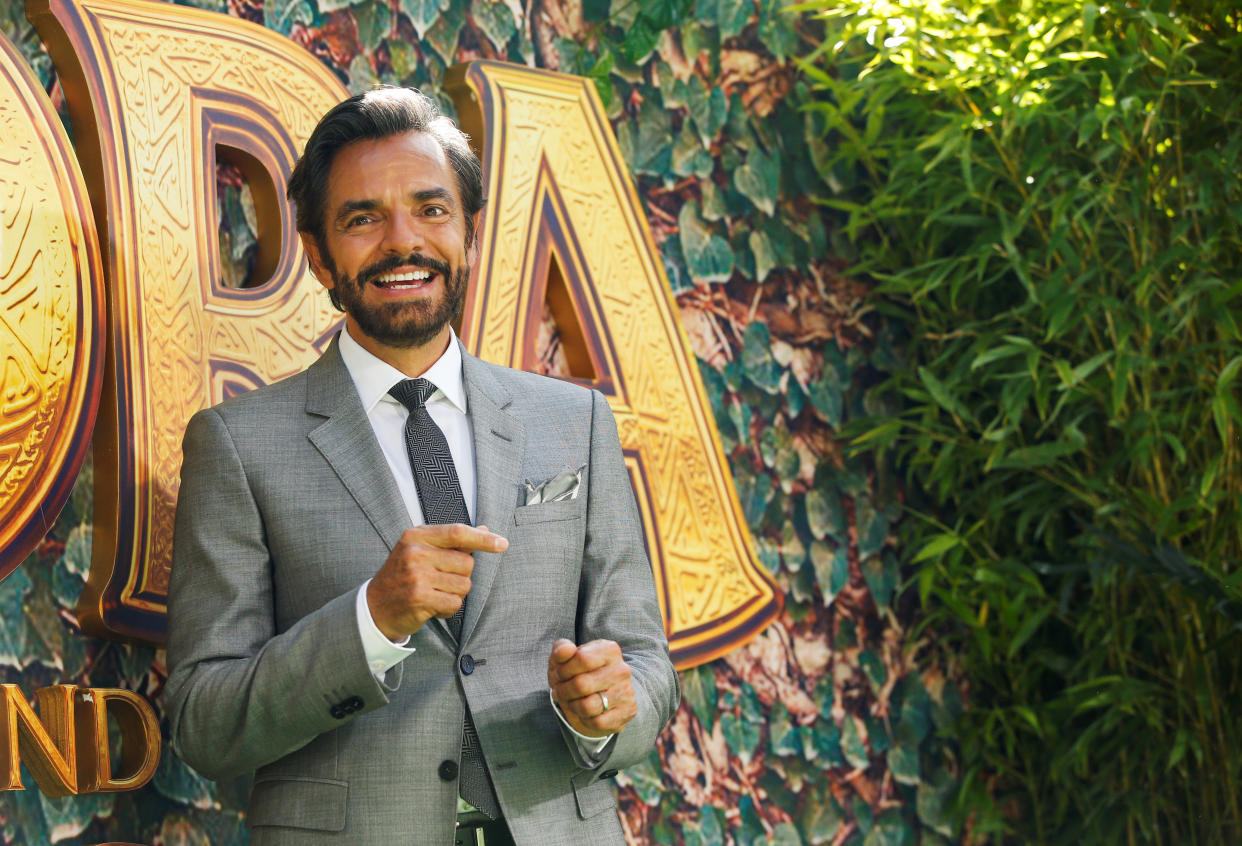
[563, 214]
[46, 742]
[51, 313]
[140, 739]
[154, 90]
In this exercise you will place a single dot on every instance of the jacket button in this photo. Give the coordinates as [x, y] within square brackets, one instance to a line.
[467, 664]
[608, 774]
[448, 770]
[337, 711]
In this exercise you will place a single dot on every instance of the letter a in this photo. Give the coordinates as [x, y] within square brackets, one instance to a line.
[563, 224]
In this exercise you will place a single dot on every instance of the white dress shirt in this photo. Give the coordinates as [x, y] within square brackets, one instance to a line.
[373, 378]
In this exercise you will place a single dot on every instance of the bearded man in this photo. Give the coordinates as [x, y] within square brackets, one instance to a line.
[409, 588]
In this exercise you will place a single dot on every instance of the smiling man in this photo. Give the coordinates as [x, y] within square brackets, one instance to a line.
[341, 619]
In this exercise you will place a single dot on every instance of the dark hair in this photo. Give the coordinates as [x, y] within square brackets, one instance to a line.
[379, 113]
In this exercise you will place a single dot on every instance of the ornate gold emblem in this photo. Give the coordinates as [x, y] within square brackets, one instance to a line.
[51, 338]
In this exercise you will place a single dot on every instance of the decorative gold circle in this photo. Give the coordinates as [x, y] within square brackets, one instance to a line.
[51, 328]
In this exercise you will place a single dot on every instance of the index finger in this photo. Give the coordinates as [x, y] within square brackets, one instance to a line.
[463, 537]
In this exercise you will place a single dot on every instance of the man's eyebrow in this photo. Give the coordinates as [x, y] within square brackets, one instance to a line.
[351, 206]
[429, 194]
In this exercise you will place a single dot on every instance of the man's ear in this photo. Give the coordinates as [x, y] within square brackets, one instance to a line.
[315, 259]
[473, 252]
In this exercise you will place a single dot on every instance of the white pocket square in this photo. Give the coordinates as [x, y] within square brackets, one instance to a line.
[563, 486]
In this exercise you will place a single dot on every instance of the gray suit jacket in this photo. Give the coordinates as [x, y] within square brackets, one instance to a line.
[287, 506]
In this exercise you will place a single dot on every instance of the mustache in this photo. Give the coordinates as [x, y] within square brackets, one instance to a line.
[387, 265]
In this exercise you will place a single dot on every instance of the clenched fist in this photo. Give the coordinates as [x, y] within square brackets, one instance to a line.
[592, 685]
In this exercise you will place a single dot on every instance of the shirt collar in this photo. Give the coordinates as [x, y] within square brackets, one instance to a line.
[373, 377]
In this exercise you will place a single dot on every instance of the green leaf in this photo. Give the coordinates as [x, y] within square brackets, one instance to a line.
[708, 256]
[872, 526]
[640, 39]
[873, 668]
[754, 491]
[759, 180]
[703, 830]
[903, 761]
[741, 735]
[1040, 455]
[784, 738]
[708, 109]
[647, 780]
[689, 157]
[777, 30]
[446, 31]
[828, 742]
[832, 569]
[13, 626]
[181, 784]
[825, 515]
[362, 76]
[698, 687]
[822, 818]
[937, 546]
[852, 744]
[942, 395]
[881, 575]
[757, 362]
[423, 13]
[281, 15]
[827, 393]
[68, 816]
[890, 829]
[932, 802]
[765, 258]
[731, 16]
[374, 20]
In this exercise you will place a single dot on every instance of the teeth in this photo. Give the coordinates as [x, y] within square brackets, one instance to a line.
[398, 278]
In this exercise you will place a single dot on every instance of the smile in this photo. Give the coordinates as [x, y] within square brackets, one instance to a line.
[404, 280]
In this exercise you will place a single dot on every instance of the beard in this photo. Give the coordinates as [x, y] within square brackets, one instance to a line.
[408, 324]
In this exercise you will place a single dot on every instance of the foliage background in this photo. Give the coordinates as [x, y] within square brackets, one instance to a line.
[1047, 195]
[823, 729]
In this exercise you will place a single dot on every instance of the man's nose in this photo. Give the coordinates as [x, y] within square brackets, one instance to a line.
[404, 234]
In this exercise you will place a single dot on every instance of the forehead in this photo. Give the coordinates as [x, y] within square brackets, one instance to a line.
[373, 169]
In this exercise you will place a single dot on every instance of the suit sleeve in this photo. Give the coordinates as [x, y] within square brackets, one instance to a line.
[617, 597]
[241, 694]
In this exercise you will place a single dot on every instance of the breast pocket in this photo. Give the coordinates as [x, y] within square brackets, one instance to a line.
[548, 512]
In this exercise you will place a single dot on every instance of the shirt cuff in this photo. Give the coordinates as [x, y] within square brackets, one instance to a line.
[382, 653]
[590, 747]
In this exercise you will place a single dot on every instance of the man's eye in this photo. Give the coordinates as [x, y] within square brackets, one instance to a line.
[360, 220]
[434, 211]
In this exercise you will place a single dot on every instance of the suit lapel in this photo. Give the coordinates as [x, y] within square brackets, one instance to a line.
[499, 444]
[347, 442]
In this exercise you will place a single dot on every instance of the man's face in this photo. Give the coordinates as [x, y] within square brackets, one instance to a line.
[394, 246]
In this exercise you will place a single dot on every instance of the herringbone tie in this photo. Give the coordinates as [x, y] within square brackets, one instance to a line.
[439, 494]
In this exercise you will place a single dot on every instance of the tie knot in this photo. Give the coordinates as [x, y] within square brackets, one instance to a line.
[412, 393]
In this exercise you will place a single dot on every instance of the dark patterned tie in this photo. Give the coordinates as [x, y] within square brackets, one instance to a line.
[439, 494]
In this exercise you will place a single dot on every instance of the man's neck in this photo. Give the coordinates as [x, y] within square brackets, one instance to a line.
[412, 361]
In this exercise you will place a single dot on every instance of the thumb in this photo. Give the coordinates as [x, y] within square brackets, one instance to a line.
[563, 650]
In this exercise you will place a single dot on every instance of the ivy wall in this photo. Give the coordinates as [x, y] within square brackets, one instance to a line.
[823, 729]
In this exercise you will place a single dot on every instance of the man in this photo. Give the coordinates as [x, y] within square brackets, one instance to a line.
[330, 528]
